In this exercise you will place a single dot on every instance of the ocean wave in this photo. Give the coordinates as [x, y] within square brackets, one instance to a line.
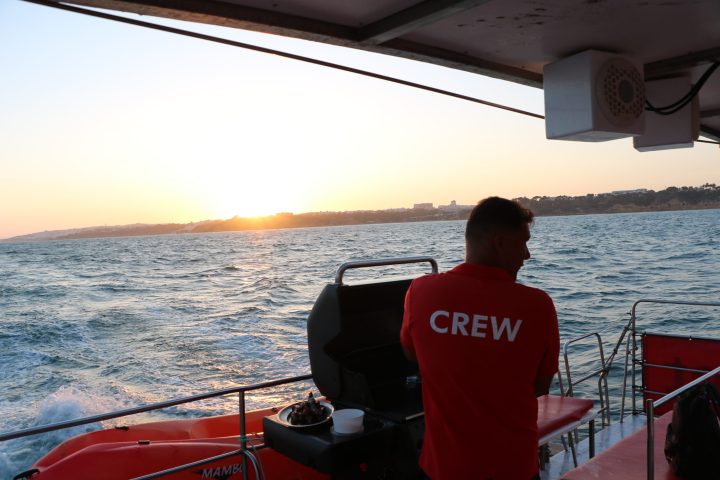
[119, 288]
[697, 255]
[66, 403]
[35, 291]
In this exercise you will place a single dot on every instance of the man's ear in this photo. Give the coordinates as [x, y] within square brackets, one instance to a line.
[498, 241]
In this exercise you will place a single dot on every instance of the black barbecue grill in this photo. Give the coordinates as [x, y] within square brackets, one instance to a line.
[357, 362]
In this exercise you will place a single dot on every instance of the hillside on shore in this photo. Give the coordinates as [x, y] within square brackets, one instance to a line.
[641, 200]
[673, 198]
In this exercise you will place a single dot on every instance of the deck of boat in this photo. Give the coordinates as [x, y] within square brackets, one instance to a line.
[562, 462]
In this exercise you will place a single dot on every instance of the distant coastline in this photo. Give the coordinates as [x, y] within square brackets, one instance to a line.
[641, 200]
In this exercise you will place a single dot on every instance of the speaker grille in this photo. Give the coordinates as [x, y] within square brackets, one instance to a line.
[620, 92]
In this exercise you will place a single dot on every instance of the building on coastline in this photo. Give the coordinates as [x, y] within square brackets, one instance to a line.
[423, 206]
[626, 192]
[454, 207]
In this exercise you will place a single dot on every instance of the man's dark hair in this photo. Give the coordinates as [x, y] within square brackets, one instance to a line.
[495, 213]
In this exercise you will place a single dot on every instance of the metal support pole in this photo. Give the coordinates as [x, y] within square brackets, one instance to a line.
[649, 409]
[243, 436]
[634, 360]
[625, 378]
[591, 432]
[572, 443]
[604, 407]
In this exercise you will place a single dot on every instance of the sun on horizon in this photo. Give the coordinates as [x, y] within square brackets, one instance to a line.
[251, 200]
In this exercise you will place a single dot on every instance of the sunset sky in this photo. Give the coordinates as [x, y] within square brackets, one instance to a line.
[104, 124]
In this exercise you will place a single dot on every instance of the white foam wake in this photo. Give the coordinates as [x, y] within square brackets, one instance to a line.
[67, 403]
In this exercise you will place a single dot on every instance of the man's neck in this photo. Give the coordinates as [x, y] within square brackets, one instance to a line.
[482, 260]
[487, 262]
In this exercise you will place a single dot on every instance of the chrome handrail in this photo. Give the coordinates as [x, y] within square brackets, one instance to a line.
[146, 408]
[602, 392]
[651, 405]
[381, 263]
[672, 302]
[240, 390]
[181, 468]
[601, 373]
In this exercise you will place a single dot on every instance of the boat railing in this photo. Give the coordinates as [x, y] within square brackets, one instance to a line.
[244, 451]
[652, 405]
[600, 373]
[631, 351]
[572, 437]
[382, 263]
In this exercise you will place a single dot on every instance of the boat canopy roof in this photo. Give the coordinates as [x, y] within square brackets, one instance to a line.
[506, 39]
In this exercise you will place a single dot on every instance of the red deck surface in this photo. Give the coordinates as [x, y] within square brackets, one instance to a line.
[555, 411]
[626, 460]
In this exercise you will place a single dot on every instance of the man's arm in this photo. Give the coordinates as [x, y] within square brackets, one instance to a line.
[542, 384]
[409, 354]
[405, 337]
[549, 364]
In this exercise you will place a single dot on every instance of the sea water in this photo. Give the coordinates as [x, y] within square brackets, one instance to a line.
[88, 326]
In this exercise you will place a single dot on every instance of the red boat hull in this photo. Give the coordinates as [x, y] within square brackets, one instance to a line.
[128, 452]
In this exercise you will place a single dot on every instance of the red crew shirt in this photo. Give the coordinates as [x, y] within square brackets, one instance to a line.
[481, 340]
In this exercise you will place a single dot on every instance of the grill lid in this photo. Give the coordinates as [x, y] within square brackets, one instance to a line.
[354, 345]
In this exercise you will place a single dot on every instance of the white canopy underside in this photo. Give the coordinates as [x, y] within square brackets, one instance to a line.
[507, 39]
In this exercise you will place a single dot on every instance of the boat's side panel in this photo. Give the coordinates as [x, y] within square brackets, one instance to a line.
[127, 452]
[209, 427]
[120, 461]
[669, 362]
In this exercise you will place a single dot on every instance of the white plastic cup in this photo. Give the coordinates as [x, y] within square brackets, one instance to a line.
[348, 421]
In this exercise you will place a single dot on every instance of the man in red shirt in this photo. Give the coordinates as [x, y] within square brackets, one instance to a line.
[486, 347]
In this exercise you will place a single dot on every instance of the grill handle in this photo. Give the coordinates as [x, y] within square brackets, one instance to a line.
[381, 263]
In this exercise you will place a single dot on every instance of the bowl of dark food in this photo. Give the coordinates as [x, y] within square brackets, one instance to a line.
[306, 414]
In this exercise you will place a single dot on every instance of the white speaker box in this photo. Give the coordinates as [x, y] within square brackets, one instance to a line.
[678, 130]
[593, 96]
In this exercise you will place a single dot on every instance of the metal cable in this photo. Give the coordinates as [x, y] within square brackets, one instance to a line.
[687, 98]
[254, 462]
[259, 462]
[280, 53]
